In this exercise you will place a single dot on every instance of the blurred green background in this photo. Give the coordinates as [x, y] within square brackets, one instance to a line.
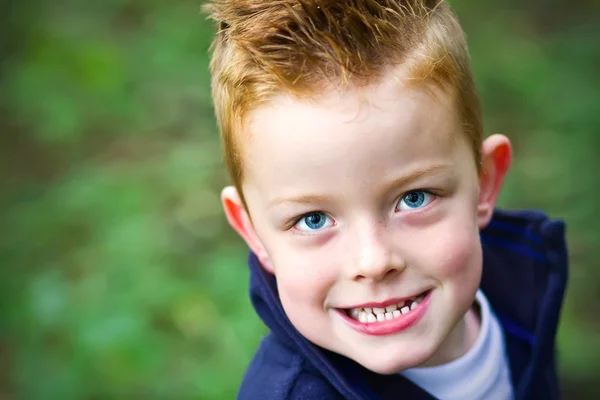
[119, 277]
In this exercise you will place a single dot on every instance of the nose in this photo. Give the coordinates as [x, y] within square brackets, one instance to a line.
[377, 257]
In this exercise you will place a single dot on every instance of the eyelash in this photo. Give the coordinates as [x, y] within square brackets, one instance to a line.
[425, 191]
[431, 192]
[295, 221]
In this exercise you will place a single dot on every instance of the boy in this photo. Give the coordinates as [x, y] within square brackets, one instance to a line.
[363, 186]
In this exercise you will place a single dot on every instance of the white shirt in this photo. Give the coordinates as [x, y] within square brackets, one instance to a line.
[481, 373]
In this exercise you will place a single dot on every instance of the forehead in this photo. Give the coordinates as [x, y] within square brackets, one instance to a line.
[415, 121]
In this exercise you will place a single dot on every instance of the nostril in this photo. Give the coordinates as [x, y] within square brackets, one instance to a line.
[359, 277]
[391, 273]
[388, 274]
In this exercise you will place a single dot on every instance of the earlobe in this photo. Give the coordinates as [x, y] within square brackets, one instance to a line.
[238, 218]
[496, 156]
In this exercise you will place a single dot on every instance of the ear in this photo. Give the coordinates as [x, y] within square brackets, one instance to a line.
[238, 218]
[496, 154]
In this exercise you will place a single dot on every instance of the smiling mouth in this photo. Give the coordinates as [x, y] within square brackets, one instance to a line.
[379, 314]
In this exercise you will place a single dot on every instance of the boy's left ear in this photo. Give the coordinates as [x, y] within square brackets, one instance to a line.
[496, 155]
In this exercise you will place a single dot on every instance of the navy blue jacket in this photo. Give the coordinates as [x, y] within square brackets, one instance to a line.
[524, 278]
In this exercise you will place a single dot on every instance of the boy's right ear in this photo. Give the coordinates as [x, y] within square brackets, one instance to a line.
[238, 218]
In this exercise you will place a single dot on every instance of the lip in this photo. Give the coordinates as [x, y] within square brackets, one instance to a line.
[389, 302]
[388, 327]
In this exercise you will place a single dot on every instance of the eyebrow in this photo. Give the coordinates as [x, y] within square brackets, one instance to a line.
[443, 169]
[305, 199]
[399, 182]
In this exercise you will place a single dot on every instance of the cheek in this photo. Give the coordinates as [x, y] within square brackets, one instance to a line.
[303, 290]
[455, 253]
[302, 281]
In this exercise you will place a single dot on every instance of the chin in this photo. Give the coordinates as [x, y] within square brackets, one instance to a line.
[386, 369]
[391, 365]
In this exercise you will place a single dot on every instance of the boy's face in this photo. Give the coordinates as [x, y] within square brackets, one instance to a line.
[367, 199]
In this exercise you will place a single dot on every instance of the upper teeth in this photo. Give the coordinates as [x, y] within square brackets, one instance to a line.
[368, 315]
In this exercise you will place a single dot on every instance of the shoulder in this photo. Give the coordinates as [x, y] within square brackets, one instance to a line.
[278, 373]
[525, 273]
[524, 253]
[525, 250]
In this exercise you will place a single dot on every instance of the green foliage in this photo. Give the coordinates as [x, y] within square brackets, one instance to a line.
[120, 278]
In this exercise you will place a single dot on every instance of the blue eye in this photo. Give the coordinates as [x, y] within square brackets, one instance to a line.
[313, 222]
[414, 200]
